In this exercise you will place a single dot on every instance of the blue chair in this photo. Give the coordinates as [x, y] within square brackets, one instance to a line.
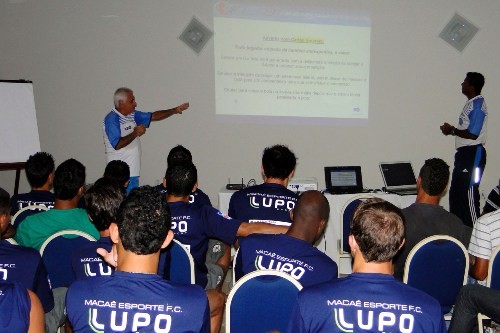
[181, 268]
[438, 265]
[56, 254]
[24, 212]
[261, 301]
[346, 214]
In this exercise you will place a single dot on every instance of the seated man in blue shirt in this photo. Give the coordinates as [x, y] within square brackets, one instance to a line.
[294, 252]
[102, 200]
[134, 298]
[218, 254]
[271, 201]
[40, 174]
[25, 266]
[370, 299]
[20, 308]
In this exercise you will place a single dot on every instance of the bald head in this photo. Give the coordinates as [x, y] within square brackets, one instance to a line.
[310, 216]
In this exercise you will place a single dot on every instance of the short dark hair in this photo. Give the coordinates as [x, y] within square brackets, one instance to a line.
[38, 168]
[4, 202]
[278, 162]
[378, 228]
[102, 200]
[117, 171]
[143, 220]
[69, 177]
[476, 80]
[181, 178]
[179, 154]
[434, 176]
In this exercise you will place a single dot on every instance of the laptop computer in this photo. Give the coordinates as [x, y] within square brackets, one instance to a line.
[399, 178]
[343, 179]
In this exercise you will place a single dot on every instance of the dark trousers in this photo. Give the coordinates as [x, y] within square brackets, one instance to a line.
[464, 190]
[474, 299]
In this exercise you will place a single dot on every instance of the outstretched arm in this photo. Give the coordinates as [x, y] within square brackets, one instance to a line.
[162, 114]
[246, 229]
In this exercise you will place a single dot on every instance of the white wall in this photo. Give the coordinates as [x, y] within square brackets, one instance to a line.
[78, 52]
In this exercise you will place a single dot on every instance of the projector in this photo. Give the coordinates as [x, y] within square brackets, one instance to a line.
[303, 184]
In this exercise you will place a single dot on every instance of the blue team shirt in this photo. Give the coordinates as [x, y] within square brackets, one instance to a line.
[24, 265]
[197, 197]
[193, 225]
[113, 120]
[15, 306]
[365, 302]
[267, 202]
[134, 302]
[87, 262]
[287, 254]
[34, 197]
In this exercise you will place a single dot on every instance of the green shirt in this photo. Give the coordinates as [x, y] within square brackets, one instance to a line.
[35, 229]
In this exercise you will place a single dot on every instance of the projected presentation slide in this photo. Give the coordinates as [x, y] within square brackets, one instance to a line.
[288, 62]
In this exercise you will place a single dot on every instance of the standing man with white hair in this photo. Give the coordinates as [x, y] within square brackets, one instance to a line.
[124, 125]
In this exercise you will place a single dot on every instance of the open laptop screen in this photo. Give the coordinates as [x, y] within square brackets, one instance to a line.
[398, 174]
[343, 179]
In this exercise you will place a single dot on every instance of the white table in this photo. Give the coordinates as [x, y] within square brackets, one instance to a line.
[330, 243]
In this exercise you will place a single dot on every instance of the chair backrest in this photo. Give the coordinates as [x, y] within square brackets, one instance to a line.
[181, 268]
[493, 280]
[261, 301]
[24, 212]
[346, 217]
[56, 254]
[9, 241]
[438, 265]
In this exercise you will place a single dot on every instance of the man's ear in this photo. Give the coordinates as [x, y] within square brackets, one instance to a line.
[321, 227]
[50, 179]
[168, 239]
[291, 214]
[290, 176]
[164, 182]
[113, 233]
[4, 222]
[353, 245]
[195, 187]
[402, 243]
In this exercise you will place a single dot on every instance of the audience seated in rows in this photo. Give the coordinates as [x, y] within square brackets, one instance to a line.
[193, 225]
[370, 299]
[69, 180]
[294, 252]
[271, 201]
[426, 217]
[139, 299]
